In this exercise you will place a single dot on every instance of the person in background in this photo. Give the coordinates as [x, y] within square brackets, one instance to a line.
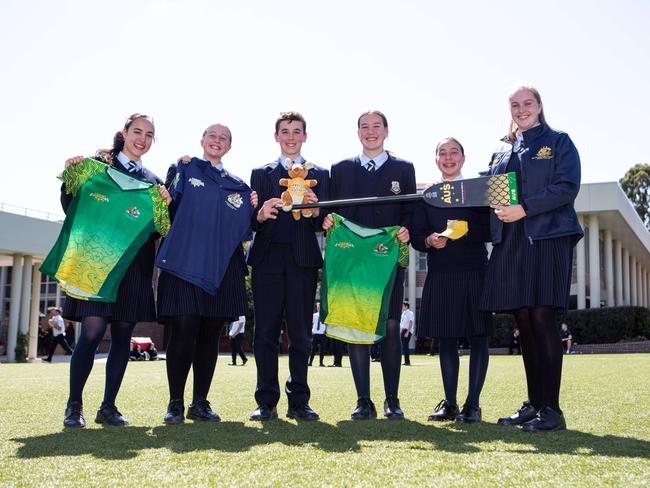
[317, 337]
[514, 342]
[567, 338]
[236, 334]
[57, 324]
[407, 327]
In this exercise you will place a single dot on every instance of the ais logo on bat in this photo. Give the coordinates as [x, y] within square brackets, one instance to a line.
[446, 193]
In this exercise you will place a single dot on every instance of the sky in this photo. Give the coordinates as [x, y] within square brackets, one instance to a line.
[71, 71]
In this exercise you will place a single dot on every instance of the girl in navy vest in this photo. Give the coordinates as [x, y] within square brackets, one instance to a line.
[452, 290]
[529, 272]
[135, 300]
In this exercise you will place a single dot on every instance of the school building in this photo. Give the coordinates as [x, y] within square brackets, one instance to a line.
[611, 264]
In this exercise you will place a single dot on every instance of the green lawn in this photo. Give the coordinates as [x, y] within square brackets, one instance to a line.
[605, 399]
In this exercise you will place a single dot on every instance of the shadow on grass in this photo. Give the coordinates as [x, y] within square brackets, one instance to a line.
[127, 442]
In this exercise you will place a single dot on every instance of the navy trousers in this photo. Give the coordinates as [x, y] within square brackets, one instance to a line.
[282, 292]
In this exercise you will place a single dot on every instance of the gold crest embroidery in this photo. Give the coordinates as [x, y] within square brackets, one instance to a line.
[544, 153]
[99, 197]
[344, 245]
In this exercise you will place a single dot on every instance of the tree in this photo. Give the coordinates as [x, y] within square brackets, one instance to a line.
[636, 185]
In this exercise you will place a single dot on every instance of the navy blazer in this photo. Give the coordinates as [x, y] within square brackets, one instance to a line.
[550, 181]
[306, 251]
[395, 177]
[465, 254]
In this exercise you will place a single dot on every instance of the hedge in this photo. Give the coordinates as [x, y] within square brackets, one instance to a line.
[589, 326]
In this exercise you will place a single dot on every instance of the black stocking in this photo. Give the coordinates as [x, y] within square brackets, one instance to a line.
[118, 358]
[449, 365]
[81, 363]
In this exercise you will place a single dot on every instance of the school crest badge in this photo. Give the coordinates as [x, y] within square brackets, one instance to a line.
[195, 182]
[394, 187]
[234, 201]
[544, 153]
[133, 212]
[381, 250]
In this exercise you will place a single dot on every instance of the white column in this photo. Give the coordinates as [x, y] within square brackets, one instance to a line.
[34, 323]
[581, 270]
[25, 295]
[639, 284]
[618, 272]
[633, 275]
[594, 262]
[626, 277]
[609, 268]
[14, 306]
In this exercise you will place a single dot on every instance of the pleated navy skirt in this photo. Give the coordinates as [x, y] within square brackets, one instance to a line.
[177, 297]
[521, 273]
[135, 298]
[450, 305]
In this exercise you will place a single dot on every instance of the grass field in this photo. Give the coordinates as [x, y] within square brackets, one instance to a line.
[605, 399]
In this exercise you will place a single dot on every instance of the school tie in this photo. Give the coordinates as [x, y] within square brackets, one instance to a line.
[371, 166]
[133, 166]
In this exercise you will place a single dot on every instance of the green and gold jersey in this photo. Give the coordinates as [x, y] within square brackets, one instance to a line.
[110, 217]
[358, 276]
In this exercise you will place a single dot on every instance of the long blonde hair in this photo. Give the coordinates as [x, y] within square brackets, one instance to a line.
[512, 129]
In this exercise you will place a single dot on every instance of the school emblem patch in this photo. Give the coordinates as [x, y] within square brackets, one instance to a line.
[133, 212]
[394, 187]
[234, 201]
[544, 153]
[381, 249]
[195, 182]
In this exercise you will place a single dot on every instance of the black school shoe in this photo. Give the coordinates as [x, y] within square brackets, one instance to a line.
[365, 410]
[525, 413]
[469, 414]
[201, 411]
[302, 412]
[547, 420]
[110, 415]
[74, 417]
[392, 410]
[175, 412]
[444, 411]
[263, 413]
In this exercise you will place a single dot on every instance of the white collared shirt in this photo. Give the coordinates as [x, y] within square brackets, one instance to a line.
[124, 161]
[283, 160]
[380, 159]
